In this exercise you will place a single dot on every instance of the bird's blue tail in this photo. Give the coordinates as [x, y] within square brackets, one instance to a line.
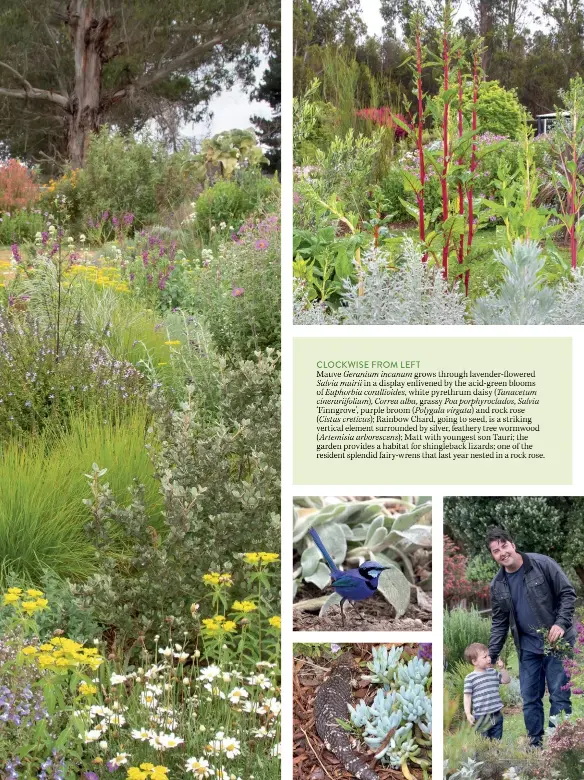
[318, 542]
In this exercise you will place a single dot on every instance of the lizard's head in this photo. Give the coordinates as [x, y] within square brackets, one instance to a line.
[371, 570]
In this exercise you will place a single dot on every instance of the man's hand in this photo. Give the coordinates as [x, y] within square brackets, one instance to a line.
[471, 719]
[556, 632]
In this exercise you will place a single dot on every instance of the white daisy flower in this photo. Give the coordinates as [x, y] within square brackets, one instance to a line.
[237, 694]
[118, 679]
[142, 734]
[119, 759]
[209, 672]
[231, 747]
[99, 711]
[199, 767]
[90, 736]
[170, 740]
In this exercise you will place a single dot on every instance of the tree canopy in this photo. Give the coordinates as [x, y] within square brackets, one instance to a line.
[530, 46]
[66, 68]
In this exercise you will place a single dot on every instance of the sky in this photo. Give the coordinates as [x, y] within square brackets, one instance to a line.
[372, 17]
[231, 109]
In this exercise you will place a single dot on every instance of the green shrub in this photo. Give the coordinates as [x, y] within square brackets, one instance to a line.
[220, 484]
[348, 169]
[461, 628]
[121, 175]
[64, 613]
[232, 201]
[42, 484]
[536, 523]
[36, 389]
[392, 187]
[237, 291]
[498, 109]
[481, 568]
[20, 226]
[454, 682]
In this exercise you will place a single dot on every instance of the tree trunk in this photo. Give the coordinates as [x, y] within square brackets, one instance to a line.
[89, 35]
[485, 22]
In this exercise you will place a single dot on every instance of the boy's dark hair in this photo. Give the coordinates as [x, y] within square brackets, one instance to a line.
[495, 534]
[472, 651]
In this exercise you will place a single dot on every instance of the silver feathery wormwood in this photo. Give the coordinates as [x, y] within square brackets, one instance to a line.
[331, 705]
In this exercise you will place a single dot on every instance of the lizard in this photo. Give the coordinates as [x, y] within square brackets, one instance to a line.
[330, 705]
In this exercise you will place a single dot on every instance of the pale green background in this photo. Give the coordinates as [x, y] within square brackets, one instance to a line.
[550, 357]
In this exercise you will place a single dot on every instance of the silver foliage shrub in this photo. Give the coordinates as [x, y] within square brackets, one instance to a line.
[569, 305]
[310, 313]
[414, 294]
[521, 299]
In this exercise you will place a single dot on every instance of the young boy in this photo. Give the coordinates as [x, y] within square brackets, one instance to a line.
[481, 692]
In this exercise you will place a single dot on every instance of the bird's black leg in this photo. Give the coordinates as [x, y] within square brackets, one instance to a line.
[342, 613]
[357, 611]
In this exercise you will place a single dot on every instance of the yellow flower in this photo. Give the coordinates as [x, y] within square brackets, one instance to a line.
[244, 606]
[46, 647]
[86, 689]
[147, 767]
[34, 593]
[30, 607]
[15, 591]
[275, 621]
[136, 774]
[219, 618]
[171, 343]
[251, 557]
[212, 578]
[210, 625]
[226, 579]
[229, 626]
[29, 650]
[11, 598]
[159, 773]
[46, 660]
[42, 604]
[268, 557]
[163, 363]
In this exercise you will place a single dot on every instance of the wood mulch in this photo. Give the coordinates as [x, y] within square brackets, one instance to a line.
[311, 760]
[377, 615]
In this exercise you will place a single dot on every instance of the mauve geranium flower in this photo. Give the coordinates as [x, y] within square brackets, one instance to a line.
[237, 292]
[261, 243]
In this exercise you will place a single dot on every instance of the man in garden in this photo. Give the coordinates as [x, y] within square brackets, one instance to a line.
[533, 597]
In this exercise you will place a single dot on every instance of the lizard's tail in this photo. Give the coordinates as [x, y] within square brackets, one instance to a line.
[339, 744]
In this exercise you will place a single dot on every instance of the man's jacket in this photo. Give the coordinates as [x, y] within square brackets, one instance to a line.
[550, 594]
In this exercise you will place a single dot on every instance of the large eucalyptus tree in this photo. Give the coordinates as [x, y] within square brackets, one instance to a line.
[67, 67]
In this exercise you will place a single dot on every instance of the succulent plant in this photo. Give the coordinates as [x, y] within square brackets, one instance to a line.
[398, 722]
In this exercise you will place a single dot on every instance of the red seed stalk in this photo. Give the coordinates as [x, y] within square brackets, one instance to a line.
[460, 252]
[574, 196]
[420, 128]
[444, 182]
[473, 159]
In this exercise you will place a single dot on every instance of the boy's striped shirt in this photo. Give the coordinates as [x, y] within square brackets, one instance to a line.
[484, 690]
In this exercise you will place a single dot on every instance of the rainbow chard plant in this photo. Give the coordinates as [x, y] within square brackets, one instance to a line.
[568, 150]
[447, 97]
[476, 52]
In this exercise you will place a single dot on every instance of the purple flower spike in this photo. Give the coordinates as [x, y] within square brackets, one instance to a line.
[16, 253]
